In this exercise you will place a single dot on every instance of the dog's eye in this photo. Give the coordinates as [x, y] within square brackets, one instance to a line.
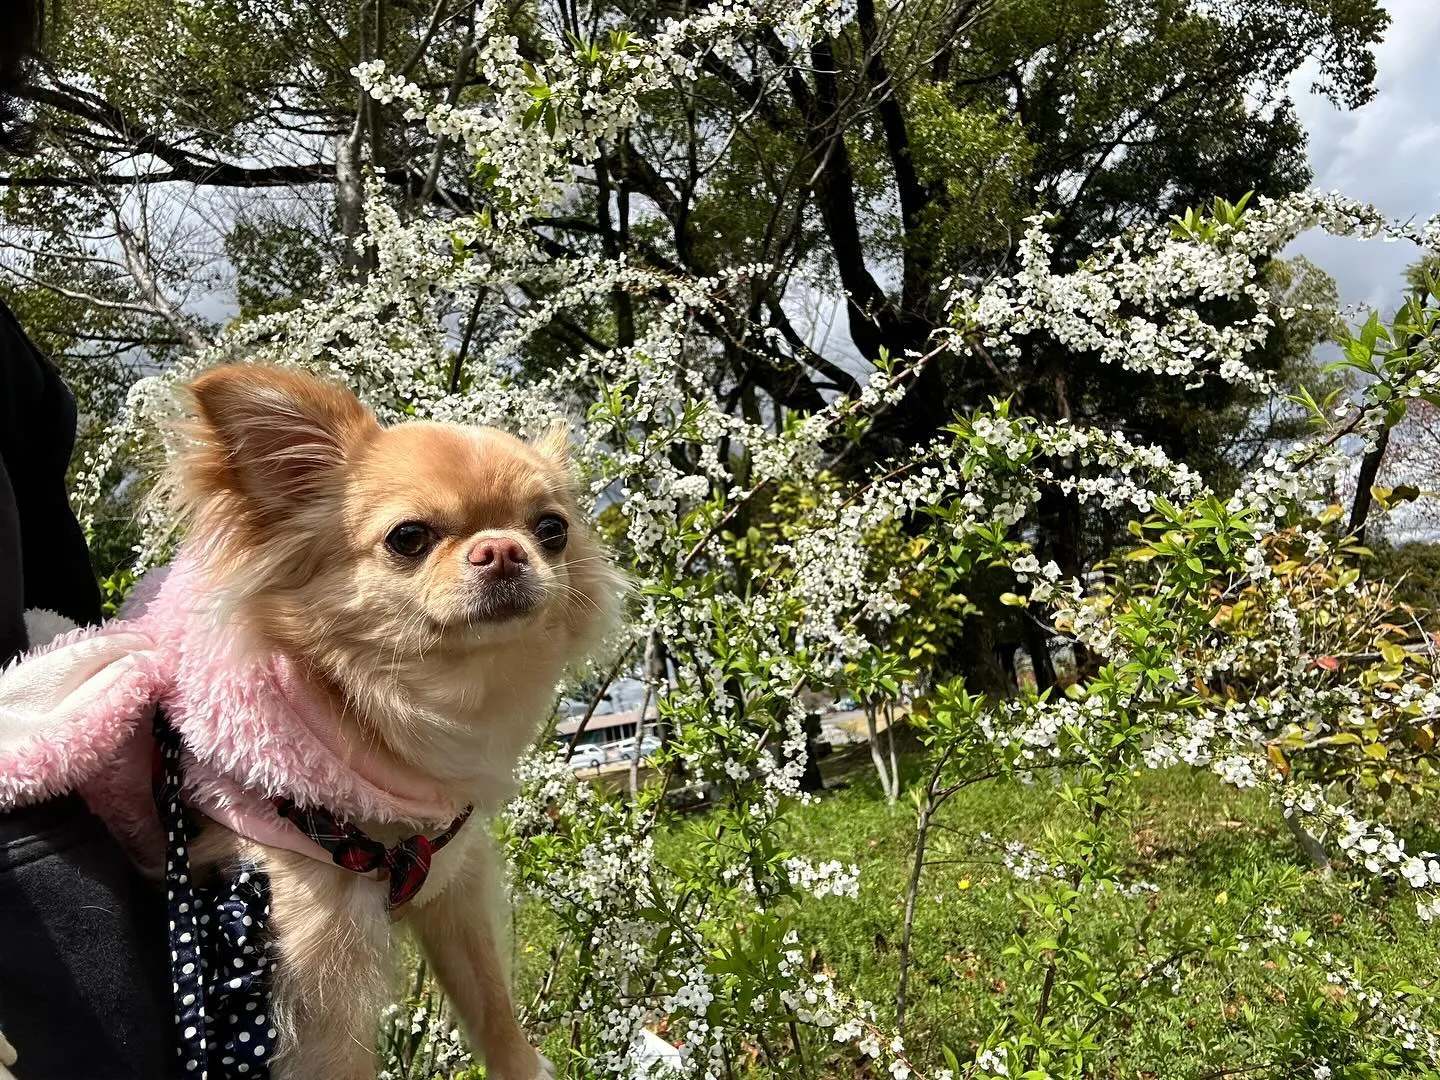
[552, 532]
[410, 540]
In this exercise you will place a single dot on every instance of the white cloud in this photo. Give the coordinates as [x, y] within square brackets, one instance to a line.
[1387, 153]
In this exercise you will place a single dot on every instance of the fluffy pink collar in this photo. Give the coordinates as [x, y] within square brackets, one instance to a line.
[75, 716]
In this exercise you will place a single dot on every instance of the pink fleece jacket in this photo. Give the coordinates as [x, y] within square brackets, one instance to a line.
[76, 714]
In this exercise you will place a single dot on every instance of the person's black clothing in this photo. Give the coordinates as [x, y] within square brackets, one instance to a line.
[82, 973]
[82, 951]
[51, 568]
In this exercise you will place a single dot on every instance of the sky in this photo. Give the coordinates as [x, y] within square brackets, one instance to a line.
[1386, 153]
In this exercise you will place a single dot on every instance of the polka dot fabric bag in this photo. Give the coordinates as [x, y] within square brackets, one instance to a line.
[219, 957]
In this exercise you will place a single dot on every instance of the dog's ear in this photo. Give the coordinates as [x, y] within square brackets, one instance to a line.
[555, 443]
[273, 436]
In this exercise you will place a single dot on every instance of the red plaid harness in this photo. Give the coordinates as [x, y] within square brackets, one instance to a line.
[406, 864]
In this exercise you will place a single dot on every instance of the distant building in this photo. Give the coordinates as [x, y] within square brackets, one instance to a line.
[604, 730]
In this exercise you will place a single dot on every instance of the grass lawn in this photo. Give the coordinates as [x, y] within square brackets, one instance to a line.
[1194, 838]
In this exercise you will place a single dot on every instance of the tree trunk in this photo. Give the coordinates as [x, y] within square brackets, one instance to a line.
[875, 755]
[811, 780]
[1037, 644]
[1369, 470]
[657, 676]
[649, 669]
[894, 792]
[917, 867]
[350, 197]
[1314, 850]
[975, 657]
[1005, 656]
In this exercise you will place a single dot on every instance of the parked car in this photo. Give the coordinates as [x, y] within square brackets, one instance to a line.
[586, 756]
[648, 745]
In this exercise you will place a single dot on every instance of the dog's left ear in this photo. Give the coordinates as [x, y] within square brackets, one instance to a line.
[555, 443]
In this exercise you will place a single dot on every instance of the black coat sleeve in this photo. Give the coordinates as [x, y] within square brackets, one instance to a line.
[83, 977]
[12, 593]
[43, 559]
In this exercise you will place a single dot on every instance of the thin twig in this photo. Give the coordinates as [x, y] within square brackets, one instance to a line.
[459, 365]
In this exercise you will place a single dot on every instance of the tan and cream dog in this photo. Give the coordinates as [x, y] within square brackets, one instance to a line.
[437, 580]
